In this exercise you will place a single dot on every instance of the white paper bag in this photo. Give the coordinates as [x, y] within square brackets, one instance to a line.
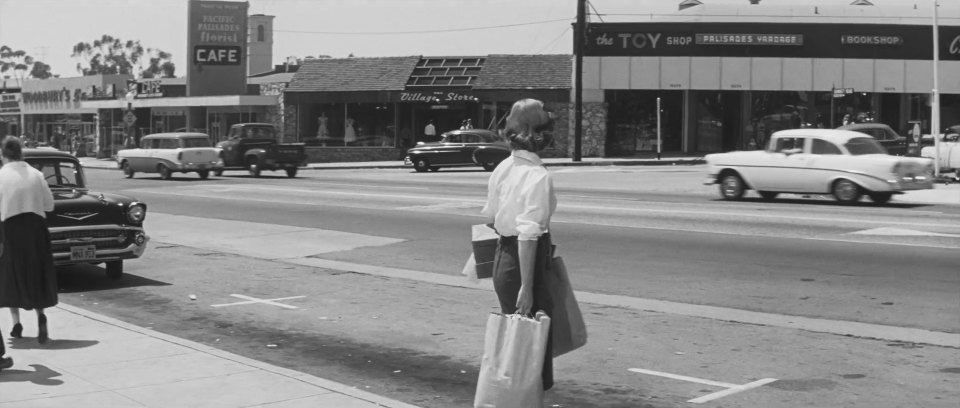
[511, 372]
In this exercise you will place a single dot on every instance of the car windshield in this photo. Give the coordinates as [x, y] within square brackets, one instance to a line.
[864, 145]
[257, 132]
[196, 142]
[59, 173]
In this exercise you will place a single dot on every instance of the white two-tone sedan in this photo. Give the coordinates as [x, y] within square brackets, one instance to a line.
[168, 153]
[843, 163]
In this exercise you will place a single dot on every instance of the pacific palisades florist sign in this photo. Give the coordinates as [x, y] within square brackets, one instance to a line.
[216, 40]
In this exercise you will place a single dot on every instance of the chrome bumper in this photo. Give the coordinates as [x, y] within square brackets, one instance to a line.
[134, 249]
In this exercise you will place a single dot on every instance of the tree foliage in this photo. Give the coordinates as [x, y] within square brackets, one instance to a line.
[22, 65]
[109, 55]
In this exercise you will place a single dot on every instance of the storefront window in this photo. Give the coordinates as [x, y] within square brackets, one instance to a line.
[775, 111]
[351, 124]
[632, 121]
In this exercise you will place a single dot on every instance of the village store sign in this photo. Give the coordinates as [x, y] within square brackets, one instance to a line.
[437, 97]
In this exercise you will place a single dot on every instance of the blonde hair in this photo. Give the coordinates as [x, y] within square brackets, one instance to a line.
[525, 123]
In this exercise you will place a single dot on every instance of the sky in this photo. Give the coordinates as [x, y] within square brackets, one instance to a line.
[48, 29]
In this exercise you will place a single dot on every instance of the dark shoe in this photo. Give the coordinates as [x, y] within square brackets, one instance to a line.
[42, 336]
[6, 362]
[17, 331]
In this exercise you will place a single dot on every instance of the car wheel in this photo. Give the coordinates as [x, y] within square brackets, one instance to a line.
[846, 191]
[203, 174]
[127, 170]
[164, 171]
[489, 166]
[880, 198]
[291, 172]
[114, 269]
[421, 165]
[768, 195]
[731, 186]
[253, 166]
[218, 173]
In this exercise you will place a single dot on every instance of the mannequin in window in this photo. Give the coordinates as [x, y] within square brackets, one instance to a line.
[349, 134]
[322, 130]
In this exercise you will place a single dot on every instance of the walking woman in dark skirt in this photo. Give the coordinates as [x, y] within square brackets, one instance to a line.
[520, 202]
[28, 279]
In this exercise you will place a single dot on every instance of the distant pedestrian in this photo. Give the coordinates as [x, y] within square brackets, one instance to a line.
[28, 279]
[520, 203]
[429, 132]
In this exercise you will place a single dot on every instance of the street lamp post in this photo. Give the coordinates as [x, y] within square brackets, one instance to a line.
[935, 102]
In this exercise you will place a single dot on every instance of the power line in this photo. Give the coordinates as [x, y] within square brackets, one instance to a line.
[421, 31]
[595, 12]
[564, 32]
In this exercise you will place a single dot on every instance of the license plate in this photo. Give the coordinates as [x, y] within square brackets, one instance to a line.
[83, 253]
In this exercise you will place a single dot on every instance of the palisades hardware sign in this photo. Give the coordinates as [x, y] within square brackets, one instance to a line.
[216, 40]
[10, 102]
[683, 39]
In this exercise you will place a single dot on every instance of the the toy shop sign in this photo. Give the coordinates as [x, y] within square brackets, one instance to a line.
[863, 41]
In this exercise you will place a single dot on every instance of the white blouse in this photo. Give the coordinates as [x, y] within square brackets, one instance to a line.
[520, 197]
[22, 190]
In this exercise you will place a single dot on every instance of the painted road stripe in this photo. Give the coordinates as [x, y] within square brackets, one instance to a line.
[900, 232]
[731, 391]
[730, 388]
[252, 300]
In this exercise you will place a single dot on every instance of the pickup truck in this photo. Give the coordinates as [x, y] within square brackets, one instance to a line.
[254, 147]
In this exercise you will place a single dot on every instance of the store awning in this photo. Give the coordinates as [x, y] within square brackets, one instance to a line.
[185, 101]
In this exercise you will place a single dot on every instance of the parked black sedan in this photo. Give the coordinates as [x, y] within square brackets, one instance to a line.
[464, 147]
[888, 138]
[86, 226]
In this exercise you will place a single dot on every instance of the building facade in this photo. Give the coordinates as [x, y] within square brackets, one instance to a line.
[348, 109]
[726, 77]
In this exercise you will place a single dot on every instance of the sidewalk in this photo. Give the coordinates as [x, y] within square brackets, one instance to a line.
[96, 361]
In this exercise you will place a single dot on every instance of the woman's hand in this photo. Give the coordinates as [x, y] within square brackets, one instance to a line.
[524, 300]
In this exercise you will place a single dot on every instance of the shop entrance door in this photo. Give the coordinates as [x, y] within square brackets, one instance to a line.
[444, 120]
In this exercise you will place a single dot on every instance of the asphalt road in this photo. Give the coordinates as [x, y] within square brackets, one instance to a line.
[639, 233]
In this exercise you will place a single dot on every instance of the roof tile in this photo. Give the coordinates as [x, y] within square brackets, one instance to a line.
[353, 74]
[545, 71]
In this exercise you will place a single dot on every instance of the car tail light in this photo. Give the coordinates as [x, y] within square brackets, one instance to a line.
[137, 213]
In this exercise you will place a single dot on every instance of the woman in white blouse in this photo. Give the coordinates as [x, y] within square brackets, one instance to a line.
[28, 279]
[520, 202]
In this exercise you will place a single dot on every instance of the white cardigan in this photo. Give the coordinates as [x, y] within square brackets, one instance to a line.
[22, 190]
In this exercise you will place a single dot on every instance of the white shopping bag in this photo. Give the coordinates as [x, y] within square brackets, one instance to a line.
[512, 367]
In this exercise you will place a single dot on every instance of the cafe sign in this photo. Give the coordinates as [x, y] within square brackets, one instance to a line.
[216, 43]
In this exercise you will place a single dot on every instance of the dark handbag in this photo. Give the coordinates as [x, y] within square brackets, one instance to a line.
[567, 327]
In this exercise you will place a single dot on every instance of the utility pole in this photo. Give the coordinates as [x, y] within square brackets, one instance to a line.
[935, 102]
[579, 33]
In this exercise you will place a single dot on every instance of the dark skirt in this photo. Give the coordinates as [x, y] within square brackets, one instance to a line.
[28, 279]
[506, 282]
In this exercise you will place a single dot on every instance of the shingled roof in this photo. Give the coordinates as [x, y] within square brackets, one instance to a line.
[353, 74]
[552, 71]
